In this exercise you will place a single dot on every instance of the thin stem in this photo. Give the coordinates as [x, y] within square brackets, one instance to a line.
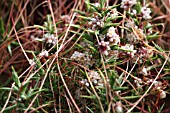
[137, 102]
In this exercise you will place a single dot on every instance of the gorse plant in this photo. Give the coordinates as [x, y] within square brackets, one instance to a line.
[102, 58]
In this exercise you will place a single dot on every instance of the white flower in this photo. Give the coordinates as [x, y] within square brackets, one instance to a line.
[131, 37]
[146, 12]
[113, 37]
[104, 47]
[97, 4]
[111, 31]
[138, 79]
[90, 23]
[149, 81]
[130, 24]
[114, 40]
[137, 84]
[94, 26]
[93, 20]
[82, 58]
[50, 38]
[95, 81]
[102, 37]
[162, 94]
[77, 56]
[94, 77]
[103, 43]
[143, 71]
[50, 41]
[119, 108]
[130, 49]
[127, 3]
[44, 53]
[143, 52]
[32, 62]
[36, 38]
[157, 83]
[118, 92]
[85, 82]
[113, 13]
[100, 23]
[150, 29]
[106, 53]
[134, 12]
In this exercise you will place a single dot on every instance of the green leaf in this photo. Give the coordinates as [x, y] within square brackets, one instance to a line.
[24, 89]
[158, 47]
[87, 5]
[159, 111]
[49, 24]
[76, 26]
[15, 43]
[131, 97]
[15, 88]
[58, 23]
[36, 92]
[40, 27]
[136, 21]
[112, 18]
[2, 29]
[5, 88]
[112, 79]
[153, 36]
[80, 12]
[92, 6]
[79, 46]
[108, 25]
[91, 111]
[23, 96]
[75, 32]
[120, 88]
[110, 8]
[149, 109]
[8, 81]
[15, 77]
[9, 49]
[10, 108]
[138, 7]
[102, 3]
[90, 31]
[85, 18]
[130, 14]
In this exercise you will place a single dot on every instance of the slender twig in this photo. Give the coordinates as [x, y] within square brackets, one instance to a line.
[51, 86]
[21, 46]
[137, 102]
[130, 71]
[97, 96]
[9, 95]
[18, 18]
[56, 55]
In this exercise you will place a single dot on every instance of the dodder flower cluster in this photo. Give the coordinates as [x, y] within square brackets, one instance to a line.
[82, 58]
[127, 3]
[121, 40]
